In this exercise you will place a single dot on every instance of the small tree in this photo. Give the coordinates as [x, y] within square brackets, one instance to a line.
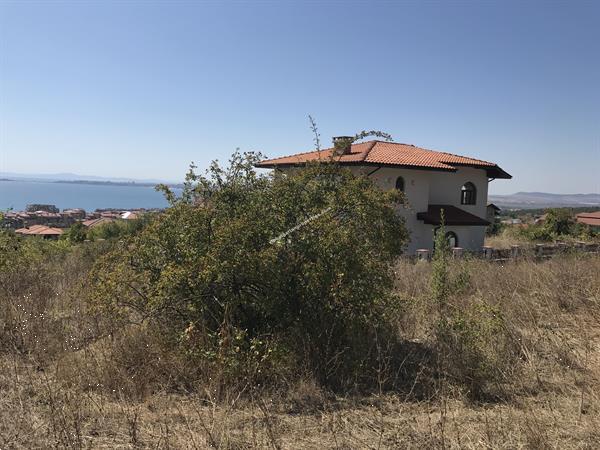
[440, 278]
[77, 233]
[559, 222]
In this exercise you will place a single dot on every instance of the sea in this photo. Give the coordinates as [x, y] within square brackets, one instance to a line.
[17, 194]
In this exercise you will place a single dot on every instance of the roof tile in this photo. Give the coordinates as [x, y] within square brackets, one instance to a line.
[392, 154]
[589, 218]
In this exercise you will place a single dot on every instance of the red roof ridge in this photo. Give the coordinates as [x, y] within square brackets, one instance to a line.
[392, 142]
[328, 149]
[391, 153]
[368, 150]
[300, 154]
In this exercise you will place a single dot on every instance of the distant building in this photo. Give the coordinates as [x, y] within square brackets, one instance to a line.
[111, 214]
[492, 212]
[589, 218]
[41, 207]
[39, 214]
[91, 223]
[512, 222]
[41, 230]
[128, 215]
[12, 221]
[75, 213]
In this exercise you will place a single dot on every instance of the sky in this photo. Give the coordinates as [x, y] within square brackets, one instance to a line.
[142, 88]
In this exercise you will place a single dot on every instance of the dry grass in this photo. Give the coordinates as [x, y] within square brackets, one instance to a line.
[513, 235]
[506, 238]
[65, 384]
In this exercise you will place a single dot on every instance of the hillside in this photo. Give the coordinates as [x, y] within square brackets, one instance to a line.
[523, 200]
[66, 384]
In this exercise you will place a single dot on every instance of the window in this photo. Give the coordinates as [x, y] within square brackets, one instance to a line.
[452, 239]
[400, 184]
[468, 194]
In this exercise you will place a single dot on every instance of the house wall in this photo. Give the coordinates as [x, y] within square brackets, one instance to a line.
[445, 189]
[425, 187]
[428, 187]
[416, 190]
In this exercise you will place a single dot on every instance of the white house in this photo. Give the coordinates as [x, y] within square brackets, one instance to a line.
[431, 181]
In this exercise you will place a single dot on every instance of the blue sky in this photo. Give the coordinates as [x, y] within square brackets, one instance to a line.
[139, 89]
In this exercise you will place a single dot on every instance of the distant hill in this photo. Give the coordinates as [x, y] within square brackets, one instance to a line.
[524, 200]
[73, 177]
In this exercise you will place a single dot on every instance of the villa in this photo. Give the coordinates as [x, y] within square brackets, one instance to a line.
[41, 231]
[431, 181]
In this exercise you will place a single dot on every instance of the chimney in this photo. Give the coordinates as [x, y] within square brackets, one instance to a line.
[342, 144]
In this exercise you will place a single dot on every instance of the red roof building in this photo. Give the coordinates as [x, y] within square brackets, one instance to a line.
[390, 154]
[40, 230]
[590, 218]
[432, 182]
[91, 223]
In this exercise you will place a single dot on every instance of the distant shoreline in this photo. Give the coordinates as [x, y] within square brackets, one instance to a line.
[93, 182]
[106, 183]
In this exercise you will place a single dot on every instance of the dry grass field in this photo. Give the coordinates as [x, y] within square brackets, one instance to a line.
[64, 384]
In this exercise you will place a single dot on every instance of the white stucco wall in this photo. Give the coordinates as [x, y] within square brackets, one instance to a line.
[427, 187]
[445, 189]
[416, 191]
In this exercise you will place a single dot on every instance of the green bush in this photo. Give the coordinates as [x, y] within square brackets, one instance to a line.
[558, 224]
[537, 233]
[119, 228]
[259, 275]
[76, 234]
[495, 228]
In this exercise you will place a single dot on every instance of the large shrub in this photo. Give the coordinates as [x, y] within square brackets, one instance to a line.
[559, 223]
[257, 274]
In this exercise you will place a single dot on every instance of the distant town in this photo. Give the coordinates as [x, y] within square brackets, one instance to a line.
[49, 222]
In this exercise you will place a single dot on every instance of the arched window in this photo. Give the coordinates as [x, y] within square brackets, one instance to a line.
[400, 184]
[468, 194]
[452, 239]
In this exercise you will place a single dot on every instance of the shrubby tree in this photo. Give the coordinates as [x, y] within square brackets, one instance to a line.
[77, 233]
[257, 275]
[119, 229]
[559, 222]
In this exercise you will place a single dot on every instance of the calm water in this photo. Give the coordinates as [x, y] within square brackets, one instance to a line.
[18, 194]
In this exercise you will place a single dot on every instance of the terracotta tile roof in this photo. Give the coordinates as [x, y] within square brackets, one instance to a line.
[390, 154]
[95, 222]
[452, 216]
[591, 218]
[40, 230]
